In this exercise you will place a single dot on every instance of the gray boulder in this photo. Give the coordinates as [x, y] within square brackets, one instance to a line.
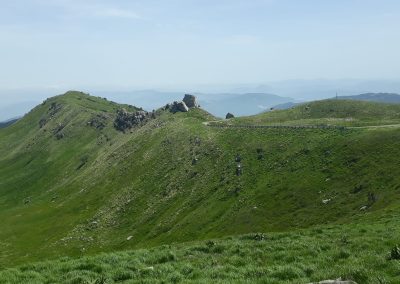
[190, 101]
[229, 115]
[179, 107]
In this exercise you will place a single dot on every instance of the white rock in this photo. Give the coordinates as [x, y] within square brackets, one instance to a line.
[326, 201]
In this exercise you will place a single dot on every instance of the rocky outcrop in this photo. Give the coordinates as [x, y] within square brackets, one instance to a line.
[51, 113]
[126, 120]
[58, 131]
[190, 101]
[229, 115]
[179, 107]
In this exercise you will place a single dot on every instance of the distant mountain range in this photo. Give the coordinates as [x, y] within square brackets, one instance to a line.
[218, 104]
[389, 98]
[240, 104]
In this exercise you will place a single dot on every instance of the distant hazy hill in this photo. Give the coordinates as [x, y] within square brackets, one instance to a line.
[243, 104]
[285, 105]
[7, 122]
[390, 98]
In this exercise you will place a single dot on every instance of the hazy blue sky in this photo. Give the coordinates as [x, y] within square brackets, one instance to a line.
[149, 43]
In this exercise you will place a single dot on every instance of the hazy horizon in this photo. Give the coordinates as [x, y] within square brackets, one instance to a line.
[301, 49]
[16, 102]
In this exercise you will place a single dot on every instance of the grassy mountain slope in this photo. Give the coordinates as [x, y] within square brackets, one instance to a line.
[76, 186]
[374, 97]
[331, 112]
[388, 98]
[360, 252]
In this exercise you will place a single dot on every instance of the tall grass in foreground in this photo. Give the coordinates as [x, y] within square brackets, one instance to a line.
[358, 252]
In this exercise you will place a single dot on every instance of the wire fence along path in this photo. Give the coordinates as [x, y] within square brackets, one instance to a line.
[219, 125]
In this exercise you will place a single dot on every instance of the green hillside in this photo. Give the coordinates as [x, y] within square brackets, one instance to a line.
[71, 184]
[331, 112]
[360, 252]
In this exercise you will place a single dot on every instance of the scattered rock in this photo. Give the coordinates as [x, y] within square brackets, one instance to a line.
[229, 115]
[60, 135]
[238, 159]
[42, 122]
[255, 237]
[260, 154]
[190, 101]
[239, 170]
[59, 127]
[395, 253]
[211, 244]
[54, 108]
[179, 107]
[129, 238]
[326, 201]
[357, 188]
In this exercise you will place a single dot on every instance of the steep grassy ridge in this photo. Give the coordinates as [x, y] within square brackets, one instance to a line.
[95, 189]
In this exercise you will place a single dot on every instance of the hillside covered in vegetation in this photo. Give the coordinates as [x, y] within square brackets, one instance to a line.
[80, 175]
